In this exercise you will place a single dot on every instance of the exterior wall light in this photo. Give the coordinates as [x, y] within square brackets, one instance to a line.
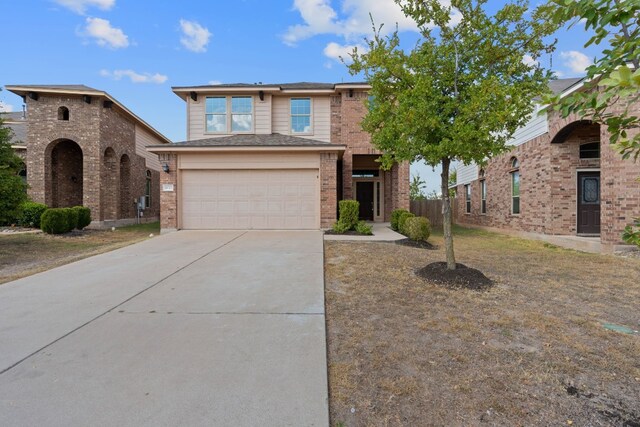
[165, 167]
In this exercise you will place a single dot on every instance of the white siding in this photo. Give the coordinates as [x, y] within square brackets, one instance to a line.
[320, 119]
[537, 125]
[466, 174]
[195, 117]
[143, 139]
[262, 124]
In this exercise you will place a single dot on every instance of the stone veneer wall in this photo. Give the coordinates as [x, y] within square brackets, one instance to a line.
[94, 128]
[346, 115]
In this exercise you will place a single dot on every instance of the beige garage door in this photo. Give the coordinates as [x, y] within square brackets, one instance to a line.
[250, 199]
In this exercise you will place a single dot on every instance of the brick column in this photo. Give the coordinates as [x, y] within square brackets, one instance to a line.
[169, 199]
[400, 174]
[328, 189]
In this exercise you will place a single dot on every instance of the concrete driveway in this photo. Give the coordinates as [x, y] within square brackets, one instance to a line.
[191, 328]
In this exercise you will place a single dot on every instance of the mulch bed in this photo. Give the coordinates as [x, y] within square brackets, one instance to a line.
[416, 244]
[462, 277]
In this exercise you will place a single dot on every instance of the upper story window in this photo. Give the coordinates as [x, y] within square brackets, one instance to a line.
[300, 115]
[590, 150]
[229, 114]
[63, 113]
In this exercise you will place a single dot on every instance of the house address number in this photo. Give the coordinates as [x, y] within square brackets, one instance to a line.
[167, 187]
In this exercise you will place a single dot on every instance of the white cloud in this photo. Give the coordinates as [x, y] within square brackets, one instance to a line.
[337, 51]
[5, 108]
[528, 60]
[215, 82]
[576, 61]
[353, 22]
[106, 35]
[134, 76]
[196, 37]
[81, 6]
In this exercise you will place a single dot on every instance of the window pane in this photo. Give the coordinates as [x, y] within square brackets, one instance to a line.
[516, 205]
[241, 122]
[483, 186]
[515, 184]
[216, 123]
[300, 124]
[216, 105]
[301, 106]
[590, 151]
[241, 104]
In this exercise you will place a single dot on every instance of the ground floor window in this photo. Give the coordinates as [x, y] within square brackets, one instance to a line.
[467, 198]
[483, 196]
[147, 192]
[515, 192]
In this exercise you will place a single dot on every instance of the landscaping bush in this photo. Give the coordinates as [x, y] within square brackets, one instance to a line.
[84, 216]
[72, 218]
[31, 213]
[402, 220]
[395, 216]
[56, 221]
[12, 195]
[349, 212]
[363, 228]
[417, 228]
[340, 227]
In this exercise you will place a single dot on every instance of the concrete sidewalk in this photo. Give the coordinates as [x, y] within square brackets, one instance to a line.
[382, 232]
[191, 328]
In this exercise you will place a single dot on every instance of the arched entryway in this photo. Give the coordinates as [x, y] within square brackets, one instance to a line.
[126, 201]
[64, 172]
[576, 186]
[110, 185]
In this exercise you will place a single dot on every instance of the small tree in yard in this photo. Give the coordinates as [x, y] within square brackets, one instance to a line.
[460, 93]
[415, 188]
[613, 81]
[12, 188]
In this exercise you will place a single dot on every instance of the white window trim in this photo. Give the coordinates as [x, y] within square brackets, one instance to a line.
[511, 172]
[311, 114]
[467, 199]
[483, 195]
[229, 115]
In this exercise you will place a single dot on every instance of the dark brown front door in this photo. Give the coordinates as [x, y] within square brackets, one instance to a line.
[589, 202]
[364, 195]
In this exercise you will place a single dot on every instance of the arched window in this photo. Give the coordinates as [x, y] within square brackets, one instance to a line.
[147, 192]
[515, 186]
[63, 113]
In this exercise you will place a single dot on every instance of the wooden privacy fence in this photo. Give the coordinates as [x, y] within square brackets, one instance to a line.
[432, 209]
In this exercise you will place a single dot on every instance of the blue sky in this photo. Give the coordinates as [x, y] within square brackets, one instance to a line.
[137, 50]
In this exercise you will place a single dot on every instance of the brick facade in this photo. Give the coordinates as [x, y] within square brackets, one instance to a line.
[348, 108]
[89, 159]
[548, 185]
[169, 199]
[328, 189]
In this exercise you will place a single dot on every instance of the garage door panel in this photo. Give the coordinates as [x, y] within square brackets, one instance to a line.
[250, 199]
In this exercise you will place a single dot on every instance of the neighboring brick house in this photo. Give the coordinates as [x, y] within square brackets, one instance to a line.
[562, 178]
[275, 156]
[83, 147]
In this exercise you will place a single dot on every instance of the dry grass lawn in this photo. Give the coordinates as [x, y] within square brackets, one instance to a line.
[22, 255]
[530, 351]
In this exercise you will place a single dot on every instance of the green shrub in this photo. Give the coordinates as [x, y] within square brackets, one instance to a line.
[12, 194]
[395, 216]
[72, 218]
[340, 227]
[631, 234]
[31, 213]
[56, 221]
[84, 216]
[363, 228]
[402, 220]
[349, 212]
[417, 228]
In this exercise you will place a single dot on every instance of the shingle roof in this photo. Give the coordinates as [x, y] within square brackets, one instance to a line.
[252, 140]
[283, 86]
[560, 85]
[78, 88]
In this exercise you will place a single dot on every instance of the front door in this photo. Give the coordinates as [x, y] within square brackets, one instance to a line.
[364, 195]
[588, 202]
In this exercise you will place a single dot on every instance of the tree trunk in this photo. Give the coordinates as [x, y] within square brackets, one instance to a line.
[446, 215]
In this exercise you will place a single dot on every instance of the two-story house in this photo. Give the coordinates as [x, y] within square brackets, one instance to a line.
[275, 156]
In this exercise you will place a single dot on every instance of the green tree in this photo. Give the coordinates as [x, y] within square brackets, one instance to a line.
[415, 188]
[460, 93]
[612, 84]
[12, 188]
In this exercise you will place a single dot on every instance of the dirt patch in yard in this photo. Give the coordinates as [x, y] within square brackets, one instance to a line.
[22, 255]
[461, 277]
[531, 350]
